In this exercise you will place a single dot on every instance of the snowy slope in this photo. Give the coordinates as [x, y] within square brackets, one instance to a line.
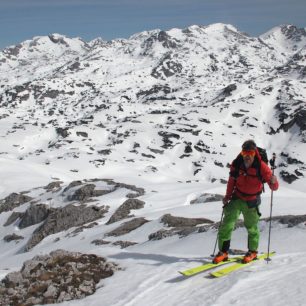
[165, 111]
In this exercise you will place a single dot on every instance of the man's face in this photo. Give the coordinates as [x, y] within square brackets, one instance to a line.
[248, 157]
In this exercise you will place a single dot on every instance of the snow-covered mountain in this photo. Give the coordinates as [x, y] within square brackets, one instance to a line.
[114, 102]
[132, 130]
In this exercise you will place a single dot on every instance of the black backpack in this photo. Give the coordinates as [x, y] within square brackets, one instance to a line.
[263, 154]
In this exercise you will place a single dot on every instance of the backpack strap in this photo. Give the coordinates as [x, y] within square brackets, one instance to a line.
[257, 164]
[239, 164]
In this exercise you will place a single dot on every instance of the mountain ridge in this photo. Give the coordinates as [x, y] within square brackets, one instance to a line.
[158, 91]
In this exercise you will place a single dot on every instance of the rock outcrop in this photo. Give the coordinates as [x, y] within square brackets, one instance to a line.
[12, 201]
[127, 227]
[124, 210]
[55, 278]
[34, 215]
[64, 218]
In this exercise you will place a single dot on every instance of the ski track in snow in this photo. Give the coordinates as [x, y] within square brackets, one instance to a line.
[159, 283]
[253, 285]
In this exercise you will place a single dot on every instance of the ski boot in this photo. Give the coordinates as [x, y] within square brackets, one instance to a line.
[221, 256]
[249, 256]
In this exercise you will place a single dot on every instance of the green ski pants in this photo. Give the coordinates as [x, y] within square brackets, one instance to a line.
[231, 214]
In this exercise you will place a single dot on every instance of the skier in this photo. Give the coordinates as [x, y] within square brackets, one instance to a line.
[247, 174]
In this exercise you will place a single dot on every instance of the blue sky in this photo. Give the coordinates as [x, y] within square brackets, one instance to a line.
[109, 19]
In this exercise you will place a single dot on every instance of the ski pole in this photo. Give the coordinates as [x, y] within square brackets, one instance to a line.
[213, 254]
[272, 163]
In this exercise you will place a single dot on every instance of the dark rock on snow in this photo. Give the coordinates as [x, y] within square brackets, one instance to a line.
[9, 238]
[12, 201]
[55, 278]
[34, 215]
[12, 218]
[87, 191]
[207, 197]
[127, 227]
[173, 221]
[124, 210]
[64, 218]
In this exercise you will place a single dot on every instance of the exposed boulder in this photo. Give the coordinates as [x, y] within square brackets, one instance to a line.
[87, 191]
[207, 197]
[34, 215]
[288, 177]
[161, 234]
[124, 244]
[63, 132]
[127, 227]
[137, 191]
[104, 152]
[226, 92]
[173, 221]
[228, 89]
[72, 184]
[81, 229]
[60, 276]
[82, 134]
[12, 218]
[294, 161]
[12, 201]
[180, 231]
[180, 226]
[185, 226]
[100, 242]
[124, 210]
[202, 147]
[9, 238]
[64, 218]
[82, 193]
[168, 143]
[289, 220]
[161, 90]
[188, 148]
[54, 186]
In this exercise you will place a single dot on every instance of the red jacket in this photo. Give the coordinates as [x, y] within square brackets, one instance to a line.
[247, 184]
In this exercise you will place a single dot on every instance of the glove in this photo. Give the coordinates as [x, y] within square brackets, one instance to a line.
[225, 201]
[273, 179]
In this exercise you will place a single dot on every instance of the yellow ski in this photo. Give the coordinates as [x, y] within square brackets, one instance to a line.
[208, 266]
[237, 266]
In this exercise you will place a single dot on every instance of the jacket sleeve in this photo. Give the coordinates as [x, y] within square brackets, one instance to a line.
[266, 174]
[230, 186]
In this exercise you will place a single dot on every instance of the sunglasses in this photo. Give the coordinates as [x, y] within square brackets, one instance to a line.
[247, 152]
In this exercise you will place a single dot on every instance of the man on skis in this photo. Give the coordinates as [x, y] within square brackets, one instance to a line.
[247, 174]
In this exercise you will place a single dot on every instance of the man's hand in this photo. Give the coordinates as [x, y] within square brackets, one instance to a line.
[273, 179]
[225, 201]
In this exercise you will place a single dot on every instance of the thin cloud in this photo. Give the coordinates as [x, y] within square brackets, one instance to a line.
[220, 4]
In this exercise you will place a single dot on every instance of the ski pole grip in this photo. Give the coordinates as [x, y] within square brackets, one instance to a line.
[272, 161]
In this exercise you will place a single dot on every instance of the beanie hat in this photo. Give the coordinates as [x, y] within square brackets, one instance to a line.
[249, 145]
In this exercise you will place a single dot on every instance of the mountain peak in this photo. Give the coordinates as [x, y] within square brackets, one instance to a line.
[294, 33]
[221, 27]
[287, 37]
